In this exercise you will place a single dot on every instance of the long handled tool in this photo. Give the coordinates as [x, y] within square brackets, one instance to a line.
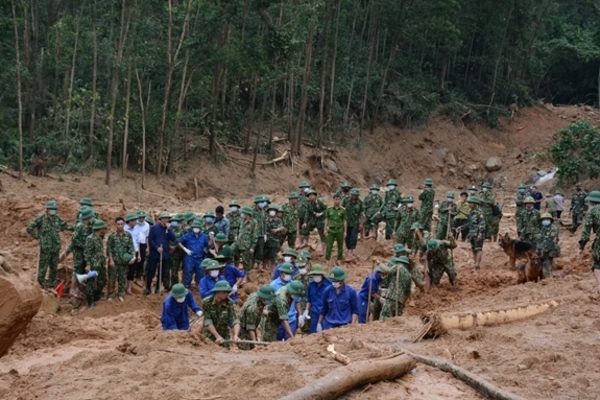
[370, 290]
[159, 279]
[248, 342]
[397, 289]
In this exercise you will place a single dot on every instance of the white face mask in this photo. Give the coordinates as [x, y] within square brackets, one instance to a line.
[52, 212]
[179, 299]
[472, 191]
[374, 191]
[272, 213]
[302, 271]
[286, 277]
[196, 230]
[214, 273]
[306, 190]
[287, 259]
[449, 200]
[336, 284]
[484, 189]
[295, 296]
[409, 205]
[234, 208]
[242, 215]
[317, 278]
[391, 187]
[437, 206]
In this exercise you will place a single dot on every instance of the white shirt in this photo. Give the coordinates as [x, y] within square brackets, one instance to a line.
[144, 231]
[559, 202]
[134, 235]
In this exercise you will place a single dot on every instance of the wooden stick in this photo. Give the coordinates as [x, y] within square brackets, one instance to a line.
[370, 290]
[156, 194]
[338, 356]
[249, 342]
[484, 387]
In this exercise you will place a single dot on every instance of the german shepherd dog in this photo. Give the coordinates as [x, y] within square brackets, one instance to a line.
[514, 249]
[532, 272]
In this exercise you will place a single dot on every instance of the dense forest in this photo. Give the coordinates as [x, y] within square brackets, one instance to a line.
[117, 84]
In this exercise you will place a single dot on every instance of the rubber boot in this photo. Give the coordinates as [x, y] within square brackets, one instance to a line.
[110, 292]
[90, 300]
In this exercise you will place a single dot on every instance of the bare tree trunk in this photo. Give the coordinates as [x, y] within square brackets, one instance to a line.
[94, 83]
[126, 133]
[368, 80]
[143, 114]
[19, 98]
[500, 54]
[251, 110]
[72, 77]
[304, 93]
[323, 73]
[360, 44]
[260, 128]
[332, 80]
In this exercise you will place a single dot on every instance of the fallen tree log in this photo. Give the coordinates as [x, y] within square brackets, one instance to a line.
[436, 323]
[481, 385]
[345, 379]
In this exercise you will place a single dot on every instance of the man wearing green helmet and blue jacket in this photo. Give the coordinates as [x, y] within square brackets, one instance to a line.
[175, 314]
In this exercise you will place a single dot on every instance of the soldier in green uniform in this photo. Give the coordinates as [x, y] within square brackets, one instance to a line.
[95, 261]
[302, 276]
[247, 238]
[476, 228]
[220, 315]
[335, 224]
[550, 206]
[446, 213]
[45, 228]
[82, 230]
[416, 272]
[302, 202]
[283, 233]
[85, 202]
[427, 197]
[592, 224]
[408, 215]
[176, 259]
[439, 260]
[344, 190]
[355, 214]
[252, 312]
[313, 215]
[578, 207]
[277, 311]
[520, 203]
[530, 222]
[398, 291]
[372, 205]
[291, 218]
[209, 224]
[390, 208]
[547, 246]
[260, 216]
[120, 251]
[235, 221]
[488, 199]
[274, 227]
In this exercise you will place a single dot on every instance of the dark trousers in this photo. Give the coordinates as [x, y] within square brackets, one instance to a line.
[153, 264]
[558, 214]
[139, 266]
[351, 237]
[463, 232]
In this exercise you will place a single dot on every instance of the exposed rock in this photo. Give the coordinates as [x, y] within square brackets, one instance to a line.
[451, 160]
[331, 165]
[493, 164]
[541, 172]
[470, 169]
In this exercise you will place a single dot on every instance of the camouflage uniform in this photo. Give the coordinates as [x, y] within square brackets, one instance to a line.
[77, 245]
[406, 218]
[278, 311]
[427, 197]
[250, 316]
[175, 260]
[260, 217]
[520, 203]
[222, 316]
[235, 221]
[290, 223]
[94, 257]
[272, 245]
[392, 200]
[530, 226]
[447, 211]
[305, 279]
[592, 223]
[78, 217]
[301, 206]
[246, 241]
[548, 246]
[354, 212]
[550, 206]
[372, 204]
[312, 221]
[440, 261]
[117, 245]
[207, 230]
[577, 209]
[45, 229]
[488, 199]
[476, 227]
[396, 294]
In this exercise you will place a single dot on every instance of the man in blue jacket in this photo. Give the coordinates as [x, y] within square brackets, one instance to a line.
[314, 295]
[213, 275]
[195, 245]
[340, 302]
[175, 309]
[159, 239]
[374, 281]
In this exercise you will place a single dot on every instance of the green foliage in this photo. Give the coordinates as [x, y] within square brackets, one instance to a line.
[576, 151]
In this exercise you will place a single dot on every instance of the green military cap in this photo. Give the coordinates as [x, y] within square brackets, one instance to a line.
[87, 213]
[205, 262]
[209, 214]
[221, 257]
[189, 215]
[557, 191]
[450, 195]
[234, 203]
[415, 225]
[408, 199]
[529, 200]
[266, 292]
[281, 209]
[293, 195]
[402, 260]
[392, 182]
[212, 264]
[221, 237]
[399, 247]
[337, 274]
[487, 185]
[374, 187]
[222, 286]
[547, 216]
[142, 214]
[305, 254]
[594, 196]
[197, 224]
[317, 269]
[258, 198]
[428, 182]
[225, 252]
[131, 217]
[304, 184]
[247, 210]
[433, 244]
[473, 187]
[522, 186]
[301, 261]
[127, 257]
[345, 185]
[382, 268]
[312, 191]
[272, 207]
[548, 194]
[286, 268]
[473, 199]
[164, 214]
[52, 205]
[179, 217]
[98, 224]
[267, 199]
[86, 201]
[289, 252]
[178, 291]
[355, 192]
[578, 185]
[295, 287]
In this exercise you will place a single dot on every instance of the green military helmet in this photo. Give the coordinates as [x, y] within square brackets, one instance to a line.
[209, 214]
[355, 192]
[408, 199]
[280, 209]
[311, 191]
[286, 268]
[529, 200]
[450, 195]
[522, 186]
[296, 288]
[205, 262]
[392, 182]
[127, 257]
[267, 199]
[247, 210]
[149, 220]
[416, 225]
[547, 216]
[164, 215]
[433, 244]
[399, 247]
[98, 224]
[86, 201]
[87, 213]
[212, 264]
[486, 185]
[374, 187]
[272, 207]
[402, 260]
[384, 269]
[178, 291]
[221, 257]
[317, 269]
[293, 195]
[266, 292]
[345, 185]
[131, 217]
[428, 182]
[222, 286]
[258, 198]
[221, 237]
[303, 185]
[337, 274]
[548, 194]
[52, 205]
[578, 185]
[289, 252]
[593, 197]
[473, 187]
[197, 224]
[557, 191]
[142, 214]
[473, 199]
[301, 261]
[190, 215]
[234, 203]
[305, 254]
[225, 252]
